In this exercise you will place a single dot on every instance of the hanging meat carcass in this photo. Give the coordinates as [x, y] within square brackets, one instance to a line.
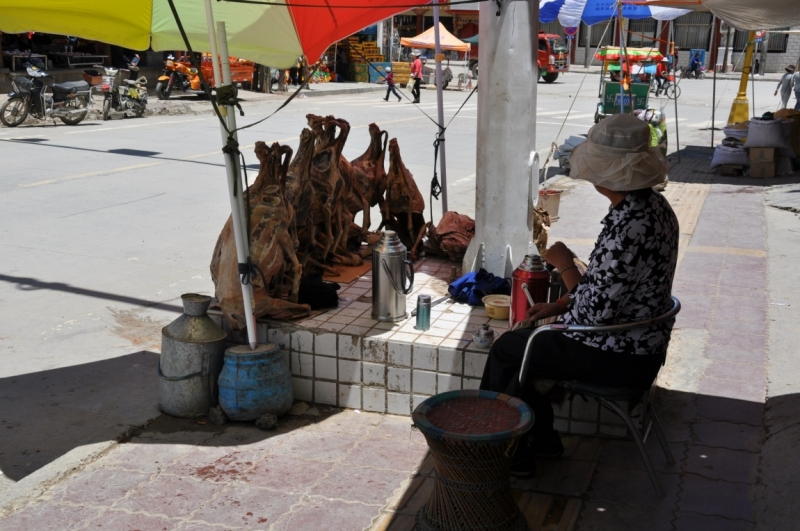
[403, 207]
[451, 236]
[271, 246]
[370, 174]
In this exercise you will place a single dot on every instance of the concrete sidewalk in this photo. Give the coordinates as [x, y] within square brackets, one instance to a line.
[728, 400]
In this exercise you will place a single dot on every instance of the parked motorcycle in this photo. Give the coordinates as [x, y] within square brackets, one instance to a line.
[40, 97]
[178, 75]
[130, 96]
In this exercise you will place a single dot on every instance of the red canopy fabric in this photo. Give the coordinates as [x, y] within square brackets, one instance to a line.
[319, 27]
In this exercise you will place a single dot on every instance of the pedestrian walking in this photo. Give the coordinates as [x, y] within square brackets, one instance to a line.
[785, 86]
[796, 83]
[756, 67]
[390, 88]
[416, 74]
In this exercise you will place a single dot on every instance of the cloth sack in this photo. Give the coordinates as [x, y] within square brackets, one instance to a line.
[730, 155]
[765, 134]
[472, 287]
[737, 131]
[789, 127]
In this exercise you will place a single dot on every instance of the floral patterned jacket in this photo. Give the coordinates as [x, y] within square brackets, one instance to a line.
[629, 277]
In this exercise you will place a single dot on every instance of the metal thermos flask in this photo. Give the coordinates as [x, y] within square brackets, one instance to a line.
[530, 275]
[392, 278]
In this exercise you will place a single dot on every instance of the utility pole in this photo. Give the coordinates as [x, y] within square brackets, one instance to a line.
[727, 45]
[587, 46]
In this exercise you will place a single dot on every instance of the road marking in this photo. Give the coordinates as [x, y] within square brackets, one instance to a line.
[574, 116]
[112, 206]
[132, 126]
[90, 174]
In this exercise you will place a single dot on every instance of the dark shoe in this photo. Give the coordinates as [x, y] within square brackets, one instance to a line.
[415, 101]
[399, 100]
[550, 447]
[385, 99]
[523, 465]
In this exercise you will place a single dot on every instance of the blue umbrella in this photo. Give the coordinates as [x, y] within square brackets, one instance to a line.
[571, 13]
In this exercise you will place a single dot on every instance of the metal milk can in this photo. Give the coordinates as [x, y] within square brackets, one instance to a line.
[192, 350]
[530, 276]
[391, 271]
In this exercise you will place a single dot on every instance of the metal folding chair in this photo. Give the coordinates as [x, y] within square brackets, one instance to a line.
[608, 396]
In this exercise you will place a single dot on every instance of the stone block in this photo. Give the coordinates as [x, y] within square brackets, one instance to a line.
[399, 354]
[398, 403]
[470, 383]
[325, 344]
[374, 399]
[349, 371]
[374, 350]
[474, 363]
[325, 393]
[398, 379]
[350, 396]
[303, 341]
[302, 389]
[302, 364]
[448, 382]
[349, 347]
[325, 368]
[450, 360]
[424, 357]
[374, 373]
[424, 382]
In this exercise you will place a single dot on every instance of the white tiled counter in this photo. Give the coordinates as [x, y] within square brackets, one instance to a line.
[344, 358]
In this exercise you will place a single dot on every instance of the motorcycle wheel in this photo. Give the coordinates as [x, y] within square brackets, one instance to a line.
[82, 103]
[106, 108]
[13, 112]
[163, 91]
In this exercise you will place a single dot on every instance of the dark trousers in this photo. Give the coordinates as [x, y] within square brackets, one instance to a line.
[557, 357]
[660, 84]
[391, 89]
[415, 89]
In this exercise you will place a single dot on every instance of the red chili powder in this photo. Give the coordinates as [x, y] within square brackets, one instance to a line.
[471, 415]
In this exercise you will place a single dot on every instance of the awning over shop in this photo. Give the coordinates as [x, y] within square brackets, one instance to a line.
[742, 14]
[447, 41]
[268, 33]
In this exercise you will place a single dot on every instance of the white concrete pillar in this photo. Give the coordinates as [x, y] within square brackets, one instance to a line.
[507, 167]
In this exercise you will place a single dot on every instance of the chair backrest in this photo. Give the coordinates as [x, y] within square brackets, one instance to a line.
[562, 327]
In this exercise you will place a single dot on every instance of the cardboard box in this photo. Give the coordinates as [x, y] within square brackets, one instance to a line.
[762, 155]
[762, 170]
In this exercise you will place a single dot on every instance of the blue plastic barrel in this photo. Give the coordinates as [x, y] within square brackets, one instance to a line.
[254, 382]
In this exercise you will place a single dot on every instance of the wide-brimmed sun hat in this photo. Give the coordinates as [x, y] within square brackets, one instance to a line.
[790, 69]
[617, 155]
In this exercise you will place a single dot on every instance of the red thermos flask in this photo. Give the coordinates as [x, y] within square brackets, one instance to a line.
[530, 273]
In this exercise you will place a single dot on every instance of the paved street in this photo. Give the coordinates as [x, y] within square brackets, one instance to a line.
[106, 224]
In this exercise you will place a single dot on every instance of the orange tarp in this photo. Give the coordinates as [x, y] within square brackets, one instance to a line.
[447, 41]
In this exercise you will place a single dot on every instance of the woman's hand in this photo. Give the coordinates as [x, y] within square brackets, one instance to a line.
[543, 310]
[559, 256]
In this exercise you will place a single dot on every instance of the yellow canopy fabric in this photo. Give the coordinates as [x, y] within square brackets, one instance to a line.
[274, 35]
[426, 40]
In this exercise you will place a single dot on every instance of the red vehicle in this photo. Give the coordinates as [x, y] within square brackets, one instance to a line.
[552, 57]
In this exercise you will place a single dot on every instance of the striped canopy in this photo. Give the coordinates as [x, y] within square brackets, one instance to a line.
[274, 33]
[572, 12]
[611, 53]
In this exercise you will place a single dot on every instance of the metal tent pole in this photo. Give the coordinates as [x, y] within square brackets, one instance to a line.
[677, 129]
[713, 105]
[587, 47]
[234, 186]
[440, 105]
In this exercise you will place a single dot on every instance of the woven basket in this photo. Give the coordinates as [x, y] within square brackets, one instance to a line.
[472, 485]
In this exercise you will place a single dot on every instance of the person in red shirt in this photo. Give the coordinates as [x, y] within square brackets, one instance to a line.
[416, 74]
[662, 71]
[390, 85]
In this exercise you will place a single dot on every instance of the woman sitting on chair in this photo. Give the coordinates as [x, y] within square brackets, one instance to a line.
[629, 278]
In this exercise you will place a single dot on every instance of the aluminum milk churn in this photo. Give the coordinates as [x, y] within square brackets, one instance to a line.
[392, 278]
[192, 350]
[532, 276]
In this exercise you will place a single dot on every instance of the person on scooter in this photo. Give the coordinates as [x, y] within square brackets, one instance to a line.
[694, 66]
[662, 75]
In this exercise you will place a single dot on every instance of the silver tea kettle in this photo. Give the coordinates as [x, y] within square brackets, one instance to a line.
[391, 270]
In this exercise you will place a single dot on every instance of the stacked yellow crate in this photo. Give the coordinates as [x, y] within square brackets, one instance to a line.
[371, 52]
[402, 73]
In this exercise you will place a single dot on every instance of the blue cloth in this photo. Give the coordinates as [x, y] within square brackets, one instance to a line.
[472, 287]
